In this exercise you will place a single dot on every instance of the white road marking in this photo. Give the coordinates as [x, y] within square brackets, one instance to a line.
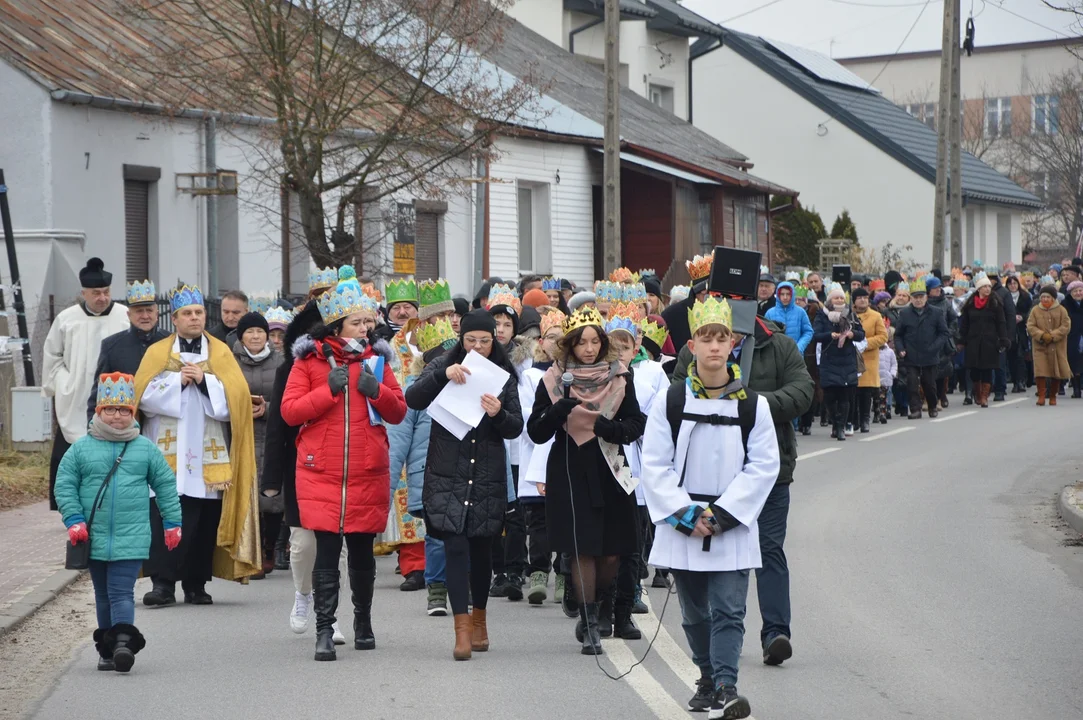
[818, 452]
[889, 433]
[649, 690]
[1006, 403]
[955, 416]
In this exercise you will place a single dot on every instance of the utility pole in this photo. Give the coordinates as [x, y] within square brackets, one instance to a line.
[955, 141]
[943, 126]
[611, 161]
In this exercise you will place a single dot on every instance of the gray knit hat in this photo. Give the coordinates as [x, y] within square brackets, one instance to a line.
[579, 298]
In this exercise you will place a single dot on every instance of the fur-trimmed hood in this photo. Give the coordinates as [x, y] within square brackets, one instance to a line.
[522, 349]
[305, 347]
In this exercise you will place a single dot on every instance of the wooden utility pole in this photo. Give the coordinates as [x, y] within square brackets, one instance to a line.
[611, 162]
[943, 129]
[955, 141]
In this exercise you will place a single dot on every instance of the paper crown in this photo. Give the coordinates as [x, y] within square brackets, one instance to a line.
[792, 276]
[608, 291]
[626, 309]
[709, 311]
[918, 286]
[583, 317]
[434, 334]
[681, 291]
[623, 275]
[184, 296]
[902, 286]
[699, 267]
[552, 319]
[322, 279]
[634, 293]
[962, 283]
[404, 290]
[551, 283]
[877, 285]
[832, 287]
[647, 272]
[370, 290]
[278, 318]
[345, 298]
[435, 298]
[141, 293]
[260, 304]
[623, 317]
[654, 332]
[501, 294]
[116, 390]
[801, 291]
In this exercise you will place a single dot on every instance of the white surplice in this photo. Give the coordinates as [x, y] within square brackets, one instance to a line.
[715, 467]
[166, 396]
[649, 379]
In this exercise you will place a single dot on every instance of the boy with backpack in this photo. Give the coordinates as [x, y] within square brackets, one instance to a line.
[710, 459]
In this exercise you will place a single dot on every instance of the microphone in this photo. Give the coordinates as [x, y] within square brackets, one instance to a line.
[566, 380]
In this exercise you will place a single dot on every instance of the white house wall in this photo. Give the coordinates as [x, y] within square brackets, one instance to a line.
[570, 206]
[544, 17]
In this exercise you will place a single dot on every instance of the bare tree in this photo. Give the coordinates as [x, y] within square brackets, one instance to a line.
[368, 98]
[1073, 8]
[922, 105]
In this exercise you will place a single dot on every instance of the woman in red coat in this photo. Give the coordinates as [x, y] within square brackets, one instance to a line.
[341, 391]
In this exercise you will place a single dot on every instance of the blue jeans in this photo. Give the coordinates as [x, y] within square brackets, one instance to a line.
[713, 611]
[773, 579]
[114, 591]
[435, 561]
[1000, 375]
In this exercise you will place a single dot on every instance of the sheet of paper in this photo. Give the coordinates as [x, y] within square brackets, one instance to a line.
[449, 422]
[464, 401]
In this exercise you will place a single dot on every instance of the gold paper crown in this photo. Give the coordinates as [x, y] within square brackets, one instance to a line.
[583, 317]
[623, 275]
[370, 290]
[699, 267]
[435, 333]
[653, 331]
[553, 319]
[709, 311]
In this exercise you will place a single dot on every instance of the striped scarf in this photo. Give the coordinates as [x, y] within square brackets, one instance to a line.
[733, 390]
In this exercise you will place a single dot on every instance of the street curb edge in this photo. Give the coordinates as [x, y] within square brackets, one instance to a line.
[1069, 506]
[41, 596]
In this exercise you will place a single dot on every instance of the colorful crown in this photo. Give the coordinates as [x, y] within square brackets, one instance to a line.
[322, 279]
[344, 299]
[699, 267]
[709, 311]
[501, 294]
[801, 291]
[260, 304]
[551, 283]
[435, 298]
[634, 293]
[116, 390]
[404, 290]
[434, 334]
[278, 318]
[680, 291]
[918, 286]
[371, 291]
[654, 332]
[552, 319]
[184, 296]
[623, 275]
[626, 309]
[583, 317]
[608, 291]
[623, 317]
[647, 272]
[141, 293]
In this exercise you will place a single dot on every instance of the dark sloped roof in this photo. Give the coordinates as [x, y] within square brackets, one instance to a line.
[628, 8]
[670, 12]
[574, 82]
[881, 122]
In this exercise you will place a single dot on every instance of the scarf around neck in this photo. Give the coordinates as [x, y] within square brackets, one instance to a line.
[101, 430]
[979, 302]
[732, 390]
[600, 388]
[261, 355]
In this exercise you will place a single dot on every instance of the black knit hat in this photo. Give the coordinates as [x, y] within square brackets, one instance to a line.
[530, 318]
[508, 310]
[858, 292]
[462, 306]
[94, 274]
[653, 286]
[252, 320]
[892, 278]
[477, 320]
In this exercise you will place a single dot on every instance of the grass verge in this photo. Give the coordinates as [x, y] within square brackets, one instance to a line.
[24, 478]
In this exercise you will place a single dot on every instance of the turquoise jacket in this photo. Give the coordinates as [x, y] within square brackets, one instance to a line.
[121, 529]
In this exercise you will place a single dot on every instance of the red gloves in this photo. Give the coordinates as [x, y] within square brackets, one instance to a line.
[77, 533]
[172, 538]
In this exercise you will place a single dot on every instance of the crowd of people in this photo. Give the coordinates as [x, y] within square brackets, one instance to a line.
[631, 432]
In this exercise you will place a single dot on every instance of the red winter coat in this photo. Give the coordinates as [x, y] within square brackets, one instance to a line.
[342, 458]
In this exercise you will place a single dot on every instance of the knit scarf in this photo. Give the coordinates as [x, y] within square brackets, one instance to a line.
[102, 430]
[733, 390]
[261, 355]
[979, 302]
[599, 387]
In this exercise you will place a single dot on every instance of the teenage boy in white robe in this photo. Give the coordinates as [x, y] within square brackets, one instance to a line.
[704, 494]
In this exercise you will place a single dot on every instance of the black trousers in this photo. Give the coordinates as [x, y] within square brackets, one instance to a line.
[921, 378]
[861, 405]
[837, 401]
[60, 446]
[978, 375]
[358, 545]
[468, 566]
[190, 562]
[539, 556]
[646, 542]
[509, 550]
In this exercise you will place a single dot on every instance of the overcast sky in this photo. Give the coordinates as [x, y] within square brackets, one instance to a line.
[848, 28]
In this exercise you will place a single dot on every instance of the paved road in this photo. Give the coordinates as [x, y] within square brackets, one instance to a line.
[931, 580]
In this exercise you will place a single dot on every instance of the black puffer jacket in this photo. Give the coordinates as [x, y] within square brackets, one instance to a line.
[838, 366]
[466, 481]
[983, 332]
[922, 334]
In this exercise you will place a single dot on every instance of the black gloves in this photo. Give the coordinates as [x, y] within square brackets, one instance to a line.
[608, 430]
[367, 384]
[723, 519]
[562, 408]
[338, 378]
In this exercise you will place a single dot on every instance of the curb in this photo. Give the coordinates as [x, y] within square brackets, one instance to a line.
[1070, 507]
[41, 596]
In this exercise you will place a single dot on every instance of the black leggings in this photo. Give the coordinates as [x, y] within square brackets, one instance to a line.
[329, 549]
[837, 401]
[469, 562]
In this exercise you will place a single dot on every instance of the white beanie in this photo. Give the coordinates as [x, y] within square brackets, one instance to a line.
[982, 281]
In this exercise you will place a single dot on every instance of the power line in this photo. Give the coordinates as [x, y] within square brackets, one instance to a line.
[749, 12]
[877, 5]
[1000, 6]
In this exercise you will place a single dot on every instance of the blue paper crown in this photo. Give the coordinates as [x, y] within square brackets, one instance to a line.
[551, 283]
[260, 304]
[634, 293]
[502, 290]
[344, 299]
[606, 291]
[116, 390]
[278, 318]
[626, 324]
[185, 296]
[141, 293]
[322, 278]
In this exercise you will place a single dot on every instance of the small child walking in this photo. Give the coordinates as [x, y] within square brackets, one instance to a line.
[889, 368]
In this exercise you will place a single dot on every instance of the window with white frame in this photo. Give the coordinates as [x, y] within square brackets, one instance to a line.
[1045, 186]
[532, 212]
[744, 225]
[1045, 114]
[925, 112]
[661, 96]
[998, 117]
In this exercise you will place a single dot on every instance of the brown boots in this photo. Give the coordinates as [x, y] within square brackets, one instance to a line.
[981, 393]
[463, 633]
[1052, 387]
[1040, 382]
[480, 640]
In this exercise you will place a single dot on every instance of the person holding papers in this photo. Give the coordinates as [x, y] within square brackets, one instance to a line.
[466, 486]
[341, 392]
[590, 504]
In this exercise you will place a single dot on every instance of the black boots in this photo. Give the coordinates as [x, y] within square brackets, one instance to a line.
[361, 582]
[605, 614]
[122, 641]
[161, 594]
[865, 411]
[282, 549]
[592, 638]
[325, 599]
[197, 595]
[623, 627]
[105, 653]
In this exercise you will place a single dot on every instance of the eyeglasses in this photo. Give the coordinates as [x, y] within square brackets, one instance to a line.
[477, 342]
[113, 411]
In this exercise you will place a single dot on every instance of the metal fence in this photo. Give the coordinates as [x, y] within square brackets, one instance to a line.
[165, 316]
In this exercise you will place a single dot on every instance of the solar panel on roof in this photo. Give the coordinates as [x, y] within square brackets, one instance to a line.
[821, 66]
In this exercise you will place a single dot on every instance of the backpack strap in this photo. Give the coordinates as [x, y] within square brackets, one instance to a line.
[675, 414]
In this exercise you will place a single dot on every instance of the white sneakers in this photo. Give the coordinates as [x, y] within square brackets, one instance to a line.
[299, 615]
[338, 638]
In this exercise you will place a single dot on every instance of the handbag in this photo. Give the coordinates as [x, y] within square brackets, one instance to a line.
[77, 556]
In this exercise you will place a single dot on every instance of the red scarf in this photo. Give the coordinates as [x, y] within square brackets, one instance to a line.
[979, 302]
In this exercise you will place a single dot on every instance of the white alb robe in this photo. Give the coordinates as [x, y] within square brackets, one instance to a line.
[528, 388]
[715, 467]
[649, 379]
[166, 396]
[70, 357]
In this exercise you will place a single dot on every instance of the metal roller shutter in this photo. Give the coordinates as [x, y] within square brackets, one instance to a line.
[427, 245]
[136, 236]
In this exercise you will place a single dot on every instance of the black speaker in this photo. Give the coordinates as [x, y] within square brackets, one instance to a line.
[735, 273]
[842, 275]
